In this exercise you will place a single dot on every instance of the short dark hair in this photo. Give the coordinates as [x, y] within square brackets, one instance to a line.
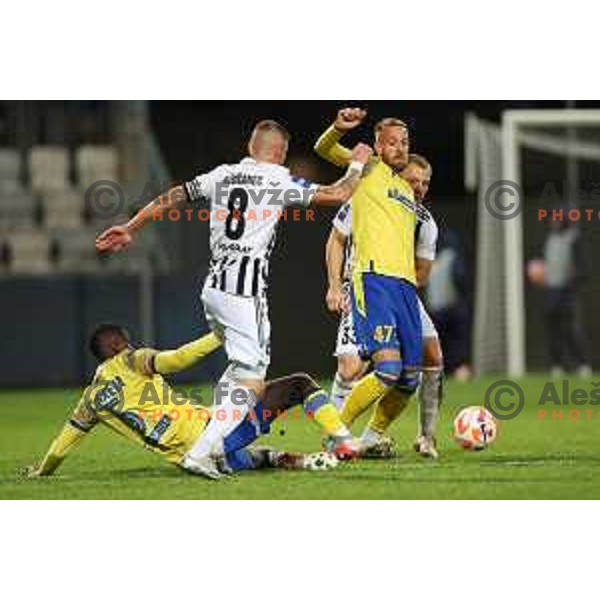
[101, 335]
[268, 125]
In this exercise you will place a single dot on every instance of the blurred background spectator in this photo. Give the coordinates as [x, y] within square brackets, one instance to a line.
[447, 298]
[561, 274]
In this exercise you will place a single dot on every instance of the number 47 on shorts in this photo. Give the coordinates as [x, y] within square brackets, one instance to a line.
[383, 333]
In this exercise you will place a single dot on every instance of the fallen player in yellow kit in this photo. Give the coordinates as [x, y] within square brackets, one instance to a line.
[129, 396]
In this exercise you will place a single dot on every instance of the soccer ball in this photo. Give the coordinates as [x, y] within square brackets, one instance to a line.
[320, 461]
[474, 428]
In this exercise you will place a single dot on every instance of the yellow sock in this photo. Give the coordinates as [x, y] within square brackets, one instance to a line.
[388, 409]
[367, 391]
[325, 414]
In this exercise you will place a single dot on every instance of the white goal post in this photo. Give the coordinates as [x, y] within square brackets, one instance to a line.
[494, 153]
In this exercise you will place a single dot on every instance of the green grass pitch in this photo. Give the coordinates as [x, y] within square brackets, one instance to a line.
[532, 458]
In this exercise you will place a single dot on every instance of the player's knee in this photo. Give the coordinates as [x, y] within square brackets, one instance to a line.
[409, 381]
[350, 368]
[303, 385]
[238, 371]
[433, 362]
[432, 354]
[286, 392]
[313, 396]
[388, 371]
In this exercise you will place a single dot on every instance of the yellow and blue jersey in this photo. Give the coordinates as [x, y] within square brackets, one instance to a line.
[138, 404]
[384, 214]
[384, 219]
[129, 396]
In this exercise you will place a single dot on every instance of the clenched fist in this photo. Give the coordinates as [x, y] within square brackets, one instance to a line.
[349, 118]
[362, 153]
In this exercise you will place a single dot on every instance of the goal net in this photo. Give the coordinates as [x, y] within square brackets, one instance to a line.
[525, 171]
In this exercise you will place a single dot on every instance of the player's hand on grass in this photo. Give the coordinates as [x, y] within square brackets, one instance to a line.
[336, 300]
[114, 239]
[349, 118]
[29, 472]
[362, 153]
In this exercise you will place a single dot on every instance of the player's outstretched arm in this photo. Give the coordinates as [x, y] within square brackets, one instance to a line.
[334, 261]
[341, 190]
[73, 432]
[328, 146]
[119, 237]
[148, 361]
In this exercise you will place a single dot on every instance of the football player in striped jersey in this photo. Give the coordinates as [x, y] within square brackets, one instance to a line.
[234, 293]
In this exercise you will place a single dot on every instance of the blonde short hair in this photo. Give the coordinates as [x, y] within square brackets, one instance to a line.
[420, 161]
[388, 122]
[270, 126]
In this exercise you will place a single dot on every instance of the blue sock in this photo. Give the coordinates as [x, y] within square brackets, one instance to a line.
[248, 430]
[240, 460]
[315, 401]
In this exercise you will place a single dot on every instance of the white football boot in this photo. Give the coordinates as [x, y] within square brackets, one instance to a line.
[425, 446]
[206, 466]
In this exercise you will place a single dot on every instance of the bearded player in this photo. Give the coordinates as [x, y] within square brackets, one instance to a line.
[129, 395]
[384, 295]
[350, 364]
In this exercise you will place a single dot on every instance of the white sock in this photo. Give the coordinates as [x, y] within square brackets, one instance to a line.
[430, 399]
[369, 436]
[226, 416]
[340, 390]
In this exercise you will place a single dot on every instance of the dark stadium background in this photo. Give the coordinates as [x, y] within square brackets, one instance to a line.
[44, 320]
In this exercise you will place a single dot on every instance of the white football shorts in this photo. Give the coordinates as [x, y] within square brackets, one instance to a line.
[242, 323]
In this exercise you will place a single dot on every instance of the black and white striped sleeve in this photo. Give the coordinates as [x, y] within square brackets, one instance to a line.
[343, 219]
[202, 187]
